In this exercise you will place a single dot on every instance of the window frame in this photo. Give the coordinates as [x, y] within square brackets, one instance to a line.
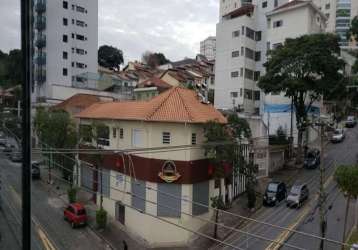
[166, 138]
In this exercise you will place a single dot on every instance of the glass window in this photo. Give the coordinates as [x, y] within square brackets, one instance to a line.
[64, 72]
[121, 133]
[103, 135]
[193, 139]
[65, 4]
[264, 4]
[65, 21]
[65, 38]
[234, 74]
[277, 24]
[236, 33]
[235, 53]
[64, 55]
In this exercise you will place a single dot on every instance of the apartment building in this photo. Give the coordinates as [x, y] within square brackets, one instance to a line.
[241, 47]
[208, 47]
[65, 45]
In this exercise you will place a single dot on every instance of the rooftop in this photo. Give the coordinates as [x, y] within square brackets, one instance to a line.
[178, 105]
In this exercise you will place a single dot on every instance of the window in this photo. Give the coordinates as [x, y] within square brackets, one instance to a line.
[65, 4]
[166, 198]
[80, 23]
[249, 53]
[121, 133]
[73, 21]
[241, 72]
[166, 137]
[250, 33]
[268, 45]
[264, 4]
[72, 64]
[65, 21]
[80, 51]
[80, 65]
[327, 15]
[249, 74]
[236, 33]
[242, 51]
[248, 94]
[276, 3]
[138, 189]
[256, 75]
[258, 56]
[235, 53]
[193, 139]
[73, 35]
[64, 55]
[328, 6]
[103, 135]
[65, 38]
[80, 9]
[114, 131]
[258, 35]
[241, 92]
[80, 37]
[64, 72]
[276, 45]
[257, 95]
[243, 30]
[234, 74]
[86, 133]
[277, 24]
[233, 94]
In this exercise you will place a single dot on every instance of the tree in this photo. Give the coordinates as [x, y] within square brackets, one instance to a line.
[220, 151]
[240, 127]
[154, 60]
[110, 57]
[10, 70]
[56, 129]
[347, 180]
[353, 31]
[304, 69]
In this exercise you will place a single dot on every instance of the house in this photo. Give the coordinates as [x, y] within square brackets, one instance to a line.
[150, 88]
[162, 163]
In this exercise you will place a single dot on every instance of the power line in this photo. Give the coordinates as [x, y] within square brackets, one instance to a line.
[223, 211]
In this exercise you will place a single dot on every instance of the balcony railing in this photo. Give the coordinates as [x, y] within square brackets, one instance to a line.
[40, 23]
[40, 59]
[40, 76]
[41, 41]
[40, 6]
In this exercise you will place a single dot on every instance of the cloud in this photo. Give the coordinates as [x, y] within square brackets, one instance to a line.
[173, 27]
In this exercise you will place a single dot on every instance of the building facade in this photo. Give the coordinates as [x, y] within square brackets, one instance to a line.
[208, 47]
[65, 44]
[141, 186]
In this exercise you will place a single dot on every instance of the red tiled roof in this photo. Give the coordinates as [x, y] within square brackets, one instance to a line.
[177, 105]
[154, 82]
[81, 101]
[290, 4]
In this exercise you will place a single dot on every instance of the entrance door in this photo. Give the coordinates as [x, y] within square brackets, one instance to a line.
[120, 212]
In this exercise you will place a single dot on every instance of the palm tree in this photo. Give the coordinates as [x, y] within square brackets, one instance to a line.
[347, 180]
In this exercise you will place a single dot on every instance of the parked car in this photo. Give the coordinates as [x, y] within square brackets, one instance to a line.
[8, 148]
[76, 214]
[35, 170]
[3, 140]
[275, 192]
[16, 156]
[338, 135]
[312, 159]
[298, 194]
[351, 122]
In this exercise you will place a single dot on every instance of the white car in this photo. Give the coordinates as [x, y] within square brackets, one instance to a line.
[338, 135]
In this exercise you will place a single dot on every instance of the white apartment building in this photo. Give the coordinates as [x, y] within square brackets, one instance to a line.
[208, 47]
[241, 36]
[65, 45]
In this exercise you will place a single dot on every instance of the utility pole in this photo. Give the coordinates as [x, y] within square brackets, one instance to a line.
[291, 131]
[322, 194]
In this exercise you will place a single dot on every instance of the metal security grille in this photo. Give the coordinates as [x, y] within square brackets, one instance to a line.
[139, 194]
[104, 182]
[168, 206]
[87, 177]
[201, 195]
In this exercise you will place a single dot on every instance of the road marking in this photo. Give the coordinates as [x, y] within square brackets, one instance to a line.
[286, 233]
[45, 241]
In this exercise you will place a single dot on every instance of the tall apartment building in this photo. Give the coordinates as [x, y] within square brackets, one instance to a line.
[65, 44]
[208, 47]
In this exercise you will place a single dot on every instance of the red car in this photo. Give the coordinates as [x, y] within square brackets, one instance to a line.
[76, 214]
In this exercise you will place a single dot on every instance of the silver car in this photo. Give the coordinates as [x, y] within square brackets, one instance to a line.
[338, 135]
[298, 194]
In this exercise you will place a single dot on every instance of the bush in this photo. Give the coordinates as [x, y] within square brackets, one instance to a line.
[101, 218]
[72, 193]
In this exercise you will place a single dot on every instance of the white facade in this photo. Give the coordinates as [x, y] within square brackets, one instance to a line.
[240, 54]
[65, 43]
[208, 47]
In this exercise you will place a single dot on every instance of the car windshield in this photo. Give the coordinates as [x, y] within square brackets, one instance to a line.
[310, 156]
[337, 132]
[81, 212]
[272, 187]
[350, 118]
[295, 190]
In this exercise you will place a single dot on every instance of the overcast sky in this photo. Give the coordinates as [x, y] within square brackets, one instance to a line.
[174, 27]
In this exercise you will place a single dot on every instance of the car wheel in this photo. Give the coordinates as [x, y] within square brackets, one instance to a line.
[73, 225]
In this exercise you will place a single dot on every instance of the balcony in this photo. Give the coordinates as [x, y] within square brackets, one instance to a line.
[40, 59]
[40, 76]
[40, 6]
[40, 41]
[40, 23]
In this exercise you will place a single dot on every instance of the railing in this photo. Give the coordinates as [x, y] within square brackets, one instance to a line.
[41, 41]
[40, 6]
[40, 59]
[40, 23]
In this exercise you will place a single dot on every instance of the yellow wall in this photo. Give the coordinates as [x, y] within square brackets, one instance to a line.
[170, 80]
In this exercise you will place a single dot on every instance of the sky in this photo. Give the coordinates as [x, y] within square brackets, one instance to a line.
[173, 27]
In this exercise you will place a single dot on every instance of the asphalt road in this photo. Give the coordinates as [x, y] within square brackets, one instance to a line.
[306, 218]
[50, 231]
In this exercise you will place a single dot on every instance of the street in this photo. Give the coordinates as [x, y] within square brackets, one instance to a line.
[49, 230]
[306, 218]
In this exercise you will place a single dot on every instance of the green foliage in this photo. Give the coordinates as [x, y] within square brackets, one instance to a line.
[240, 127]
[353, 31]
[154, 60]
[217, 202]
[10, 68]
[101, 218]
[72, 194]
[110, 57]
[280, 138]
[347, 180]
